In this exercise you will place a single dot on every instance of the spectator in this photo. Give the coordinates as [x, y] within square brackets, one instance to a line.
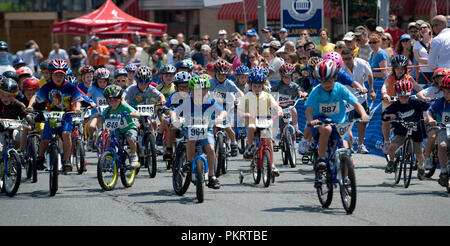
[267, 33]
[173, 43]
[76, 55]
[205, 39]
[440, 45]
[340, 45]
[386, 44]
[206, 53]
[98, 54]
[289, 47]
[197, 56]
[324, 45]
[300, 49]
[378, 58]
[371, 26]
[275, 63]
[362, 40]
[179, 53]
[236, 39]
[350, 42]
[180, 39]
[283, 36]
[394, 30]
[252, 36]
[31, 55]
[413, 31]
[221, 47]
[420, 51]
[133, 57]
[222, 34]
[309, 46]
[404, 48]
[292, 59]
[305, 36]
[58, 53]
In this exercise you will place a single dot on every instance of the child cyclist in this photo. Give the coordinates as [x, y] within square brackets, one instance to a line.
[166, 88]
[242, 73]
[440, 112]
[113, 95]
[59, 95]
[410, 110]
[181, 81]
[201, 105]
[399, 65]
[221, 86]
[121, 78]
[131, 70]
[288, 90]
[86, 77]
[45, 73]
[328, 101]
[429, 94]
[254, 104]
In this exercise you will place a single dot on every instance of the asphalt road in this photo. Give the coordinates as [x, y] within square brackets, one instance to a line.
[290, 201]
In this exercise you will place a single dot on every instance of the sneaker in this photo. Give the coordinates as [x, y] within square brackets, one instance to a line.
[168, 154]
[248, 153]
[303, 147]
[67, 166]
[40, 163]
[134, 161]
[321, 165]
[386, 147]
[443, 179]
[186, 167]
[428, 163]
[362, 149]
[389, 167]
[275, 172]
[298, 133]
[234, 149]
[421, 173]
[159, 139]
[213, 183]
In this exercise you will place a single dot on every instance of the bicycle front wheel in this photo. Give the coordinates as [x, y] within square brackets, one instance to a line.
[200, 179]
[127, 172]
[78, 155]
[107, 171]
[150, 157]
[221, 155]
[324, 187]
[408, 162]
[180, 180]
[347, 185]
[266, 168]
[398, 165]
[53, 172]
[290, 147]
[32, 156]
[12, 174]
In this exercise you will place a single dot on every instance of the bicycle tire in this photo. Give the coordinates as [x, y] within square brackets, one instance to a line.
[267, 168]
[180, 180]
[429, 173]
[290, 148]
[105, 165]
[398, 166]
[12, 173]
[53, 172]
[127, 174]
[28, 164]
[200, 179]
[256, 173]
[151, 155]
[79, 156]
[325, 195]
[408, 163]
[221, 158]
[35, 141]
[348, 191]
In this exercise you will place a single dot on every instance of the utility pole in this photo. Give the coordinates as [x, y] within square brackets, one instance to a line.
[384, 13]
[262, 17]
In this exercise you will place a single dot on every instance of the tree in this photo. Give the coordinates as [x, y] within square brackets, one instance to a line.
[358, 11]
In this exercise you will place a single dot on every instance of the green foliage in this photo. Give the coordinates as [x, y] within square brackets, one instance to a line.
[12, 6]
[358, 11]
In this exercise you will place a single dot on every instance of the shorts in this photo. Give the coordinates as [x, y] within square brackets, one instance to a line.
[442, 137]
[66, 126]
[355, 115]
[131, 133]
[399, 140]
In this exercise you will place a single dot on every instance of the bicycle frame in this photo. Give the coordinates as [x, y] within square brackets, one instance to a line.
[263, 144]
[199, 155]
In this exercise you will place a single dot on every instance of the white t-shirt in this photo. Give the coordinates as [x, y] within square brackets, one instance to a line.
[432, 92]
[360, 74]
[275, 65]
[423, 54]
[62, 54]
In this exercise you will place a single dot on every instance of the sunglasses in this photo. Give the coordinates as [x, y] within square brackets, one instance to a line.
[303, 58]
[205, 39]
[373, 42]
[121, 81]
[347, 58]
[251, 57]
[113, 98]
[309, 49]
[179, 49]
[384, 39]
[235, 40]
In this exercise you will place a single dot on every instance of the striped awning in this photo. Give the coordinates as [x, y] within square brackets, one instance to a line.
[235, 11]
[402, 7]
[423, 7]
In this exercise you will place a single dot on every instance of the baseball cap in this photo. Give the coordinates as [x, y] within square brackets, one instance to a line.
[379, 29]
[360, 30]
[222, 32]
[267, 29]
[251, 32]
[349, 36]
[283, 30]
[173, 42]
[275, 44]
[405, 36]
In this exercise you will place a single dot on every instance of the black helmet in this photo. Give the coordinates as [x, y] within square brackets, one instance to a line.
[8, 86]
[3, 45]
[399, 61]
[44, 65]
[11, 74]
[112, 91]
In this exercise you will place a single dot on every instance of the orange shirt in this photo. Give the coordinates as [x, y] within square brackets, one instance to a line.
[390, 82]
[99, 61]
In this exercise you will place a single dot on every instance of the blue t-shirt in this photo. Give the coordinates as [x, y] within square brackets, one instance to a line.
[441, 110]
[175, 100]
[381, 55]
[97, 97]
[331, 104]
[208, 110]
[226, 86]
[83, 88]
[59, 98]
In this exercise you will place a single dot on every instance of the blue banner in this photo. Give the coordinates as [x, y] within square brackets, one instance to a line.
[298, 15]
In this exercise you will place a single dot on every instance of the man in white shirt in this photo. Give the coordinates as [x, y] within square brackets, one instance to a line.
[360, 71]
[58, 53]
[275, 63]
[440, 45]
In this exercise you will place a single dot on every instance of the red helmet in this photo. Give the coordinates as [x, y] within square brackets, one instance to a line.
[440, 72]
[326, 70]
[222, 67]
[403, 87]
[445, 82]
[31, 84]
[24, 71]
[286, 68]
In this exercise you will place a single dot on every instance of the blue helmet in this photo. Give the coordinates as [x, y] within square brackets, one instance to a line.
[119, 72]
[18, 61]
[181, 77]
[261, 69]
[186, 63]
[257, 77]
[131, 68]
[168, 69]
[242, 70]
[3, 45]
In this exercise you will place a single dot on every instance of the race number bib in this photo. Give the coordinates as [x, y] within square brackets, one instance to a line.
[343, 129]
[283, 98]
[101, 102]
[446, 117]
[146, 110]
[115, 123]
[53, 115]
[198, 132]
[329, 108]
[263, 123]
[287, 114]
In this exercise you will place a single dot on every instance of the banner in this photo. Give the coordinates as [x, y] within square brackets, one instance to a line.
[297, 15]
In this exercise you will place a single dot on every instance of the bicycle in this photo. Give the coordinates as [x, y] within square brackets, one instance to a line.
[180, 179]
[222, 149]
[405, 158]
[261, 164]
[116, 158]
[32, 148]
[339, 169]
[146, 139]
[434, 157]
[78, 157]
[446, 126]
[11, 169]
[288, 134]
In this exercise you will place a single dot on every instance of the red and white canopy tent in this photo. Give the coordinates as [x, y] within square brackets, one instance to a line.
[108, 21]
